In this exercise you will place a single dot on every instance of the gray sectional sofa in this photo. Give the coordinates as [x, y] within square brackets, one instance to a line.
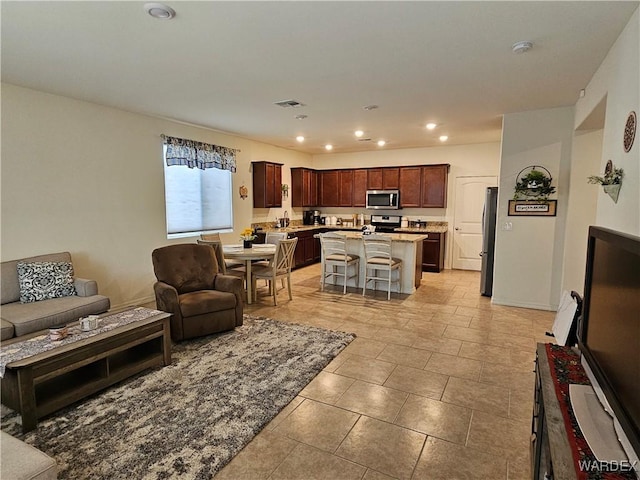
[23, 318]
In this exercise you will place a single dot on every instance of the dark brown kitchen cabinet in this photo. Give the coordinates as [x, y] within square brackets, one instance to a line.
[410, 187]
[329, 183]
[345, 188]
[433, 252]
[434, 186]
[307, 249]
[360, 187]
[390, 178]
[386, 178]
[267, 184]
[374, 179]
[304, 187]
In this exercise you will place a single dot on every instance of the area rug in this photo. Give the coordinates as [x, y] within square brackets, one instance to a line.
[188, 419]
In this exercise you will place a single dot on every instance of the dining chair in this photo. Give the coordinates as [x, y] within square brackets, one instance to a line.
[215, 237]
[279, 267]
[236, 269]
[377, 254]
[335, 255]
[272, 238]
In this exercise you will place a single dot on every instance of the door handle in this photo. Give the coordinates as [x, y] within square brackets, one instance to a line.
[457, 228]
[480, 254]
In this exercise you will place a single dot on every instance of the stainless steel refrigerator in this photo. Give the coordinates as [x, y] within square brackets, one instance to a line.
[489, 216]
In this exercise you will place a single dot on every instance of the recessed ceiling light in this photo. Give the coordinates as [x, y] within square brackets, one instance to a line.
[300, 138]
[444, 138]
[370, 107]
[358, 133]
[381, 143]
[300, 117]
[521, 47]
[158, 10]
[328, 146]
[431, 126]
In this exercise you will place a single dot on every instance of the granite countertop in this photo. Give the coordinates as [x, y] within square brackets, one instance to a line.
[395, 237]
[428, 229]
[431, 227]
[306, 228]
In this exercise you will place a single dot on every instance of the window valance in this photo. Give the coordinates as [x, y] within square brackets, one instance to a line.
[181, 151]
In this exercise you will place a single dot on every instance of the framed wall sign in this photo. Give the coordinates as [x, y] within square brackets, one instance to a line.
[532, 208]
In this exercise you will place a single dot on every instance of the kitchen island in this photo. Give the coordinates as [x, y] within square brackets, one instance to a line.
[406, 247]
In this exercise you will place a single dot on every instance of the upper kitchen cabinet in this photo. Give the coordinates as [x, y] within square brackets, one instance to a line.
[434, 186]
[329, 182]
[374, 179]
[345, 185]
[386, 178]
[410, 187]
[390, 178]
[304, 187]
[267, 184]
[360, 187]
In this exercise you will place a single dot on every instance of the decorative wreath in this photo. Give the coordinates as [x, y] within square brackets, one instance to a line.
[535, 184]
[629, 131]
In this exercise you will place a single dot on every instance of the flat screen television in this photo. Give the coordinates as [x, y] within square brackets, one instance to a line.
[609, 336]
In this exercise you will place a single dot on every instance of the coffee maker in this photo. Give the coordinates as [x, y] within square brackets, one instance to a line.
[316, 217]
[307, 217]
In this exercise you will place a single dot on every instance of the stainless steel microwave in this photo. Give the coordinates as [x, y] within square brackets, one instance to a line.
[383, 199]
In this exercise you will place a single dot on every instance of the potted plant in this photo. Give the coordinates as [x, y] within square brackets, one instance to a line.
[535, 185]
[611, 181]
[247, 237]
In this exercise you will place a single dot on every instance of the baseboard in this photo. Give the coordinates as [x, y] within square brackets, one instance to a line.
[140, 302]
[534, 306]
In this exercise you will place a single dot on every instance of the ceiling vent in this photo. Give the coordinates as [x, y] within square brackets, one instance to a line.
[290, 104]
[364, 139]
[521, 47]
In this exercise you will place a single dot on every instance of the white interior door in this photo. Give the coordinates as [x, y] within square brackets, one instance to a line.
[467, 225]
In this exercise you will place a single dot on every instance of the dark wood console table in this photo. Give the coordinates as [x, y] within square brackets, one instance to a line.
[550, 449]
[556, 451]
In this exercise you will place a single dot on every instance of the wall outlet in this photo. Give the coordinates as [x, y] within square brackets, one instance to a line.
[507, 226]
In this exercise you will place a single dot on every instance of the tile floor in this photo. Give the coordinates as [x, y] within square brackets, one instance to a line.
[437, 385]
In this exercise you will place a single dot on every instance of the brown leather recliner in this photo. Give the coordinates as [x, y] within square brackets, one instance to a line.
[201, 300]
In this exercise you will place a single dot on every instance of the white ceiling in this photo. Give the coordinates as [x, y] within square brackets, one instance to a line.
[224, 64]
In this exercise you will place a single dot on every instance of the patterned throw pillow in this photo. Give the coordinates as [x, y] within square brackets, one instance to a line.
[44, 280]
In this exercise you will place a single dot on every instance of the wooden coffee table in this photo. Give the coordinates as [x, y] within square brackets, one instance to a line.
[45, 382]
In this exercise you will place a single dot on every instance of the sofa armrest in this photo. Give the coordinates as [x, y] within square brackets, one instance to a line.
[84, 287]
[228, 283]
[167, 300]
[235, 285]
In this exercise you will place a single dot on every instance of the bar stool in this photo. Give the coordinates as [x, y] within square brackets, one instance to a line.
[334, 255]
[377, 254]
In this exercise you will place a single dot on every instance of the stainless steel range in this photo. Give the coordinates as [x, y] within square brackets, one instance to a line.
[386, 223]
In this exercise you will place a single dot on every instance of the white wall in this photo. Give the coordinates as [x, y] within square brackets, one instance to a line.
[529, 258]
[465, 160]
[581, 210]
[618, 78]
[88, 179]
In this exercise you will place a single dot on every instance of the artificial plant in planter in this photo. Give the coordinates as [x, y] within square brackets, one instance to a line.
[534, 185]
[611, 181]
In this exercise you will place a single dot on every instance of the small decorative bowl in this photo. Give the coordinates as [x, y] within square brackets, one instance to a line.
[58, 333]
